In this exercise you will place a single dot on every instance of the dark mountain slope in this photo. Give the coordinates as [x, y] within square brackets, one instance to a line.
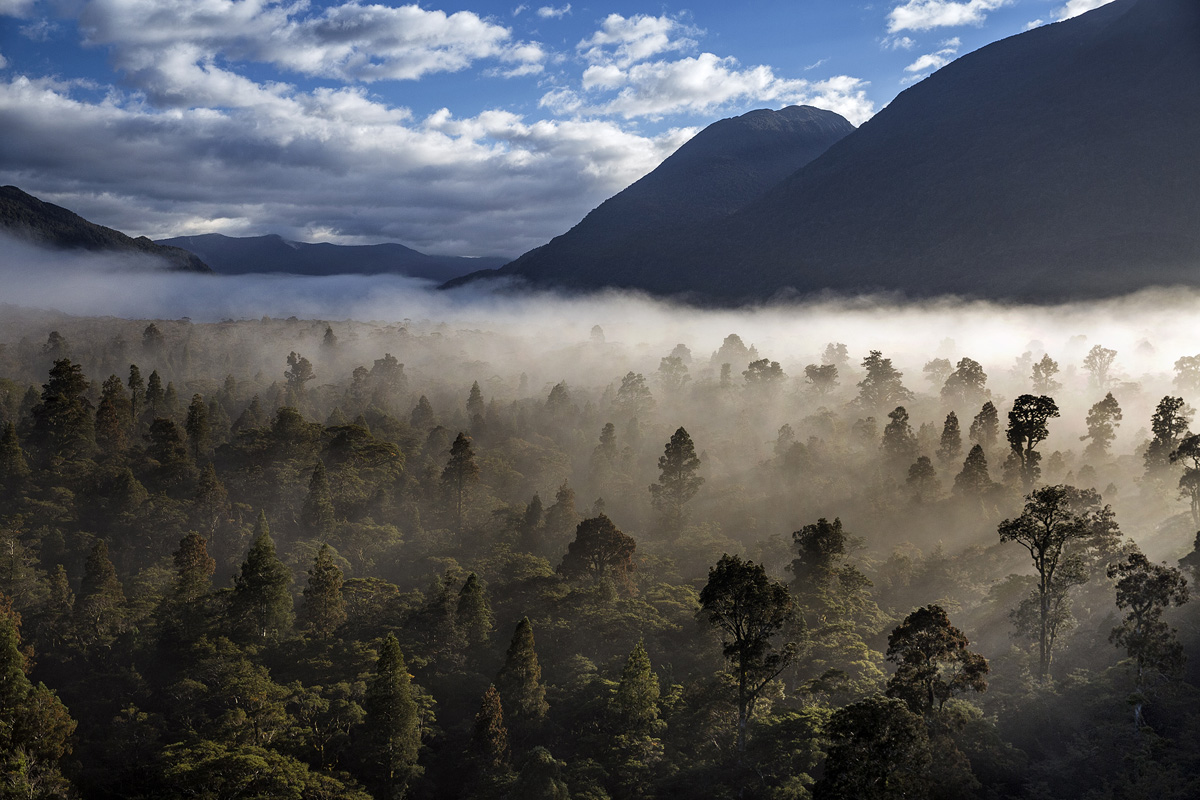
[1060, 163]
[238, 255]
[26, 217]
[722, 168]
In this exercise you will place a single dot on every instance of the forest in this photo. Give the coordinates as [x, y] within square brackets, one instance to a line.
[303, 558]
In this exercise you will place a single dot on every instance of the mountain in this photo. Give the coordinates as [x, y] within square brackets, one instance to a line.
[727, 165]
[45, 224]
[238, 255]
[1057, 164]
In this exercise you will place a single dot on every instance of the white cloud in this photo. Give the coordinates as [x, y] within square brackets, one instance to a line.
[519, 10]
[899, 43]
[550, 12]
[3, 61]
[1074, 8]
[626, 40]
[299, 163]
[933, 61]
[351, 41]
[922, 15]
[22, 9]
[1037, 23]
[703, 84]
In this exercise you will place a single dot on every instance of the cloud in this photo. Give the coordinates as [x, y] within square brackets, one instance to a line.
[1074, 8]
[933, 61]
[22, 9]
[330, 163]
[350, 42]
[3, 61]
[923, 15]
[626, 40]
[519, 10]
[702, 84]
[550, 12]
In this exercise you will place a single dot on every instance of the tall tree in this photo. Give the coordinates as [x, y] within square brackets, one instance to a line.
[899, 445]
[881, 387]
[966, 386]
[823, 379]
[932, 661]
[950, 444]
[114, 416]
[635, 702]
[879, 750]
[1097, 364]
[749, 610]
[324, 609]
[63, 422]
[391, 729]
[14, 468]
[1048, 526]
[100, 605]
[317, 514]
[1043, 376]
[137, 392]
[1102, 421]
[520, 679]
[460, 472]
[298, 374]
[489, 740]
[973, 482]
[1168, 426]
[1188, 452]
[985, 428]
[261, 604]
[678, 482]
[1026, 430]
[473, 614]
[197, 428]
[475, 404]
[633, 396]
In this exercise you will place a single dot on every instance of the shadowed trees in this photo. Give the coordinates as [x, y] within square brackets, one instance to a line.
[678, 482]
[1026, 430]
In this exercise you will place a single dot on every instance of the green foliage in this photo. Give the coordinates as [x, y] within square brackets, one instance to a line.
[390, 732]
[678, 482]
[932, 661]
[261, 605]
[879, 749]
[520, 679]
[324, 608]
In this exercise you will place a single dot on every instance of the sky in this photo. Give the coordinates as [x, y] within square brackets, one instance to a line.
[453, 126]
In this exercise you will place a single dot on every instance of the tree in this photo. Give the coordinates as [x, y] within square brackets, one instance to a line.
[423, 417]
[749, 610]
[1144, 591]
[63, 422]
[1026, 430]
[950, 444]
[763, 374]
[678, 482]
[137, 392]
[937, 370]
[197, 427]
[185, 611]
[881, 388]
[974, 481]
[820, 547]
[673, 375]
[1188, 452]
[317, 515]
[520, 679]
[932, 661]
[633, 397]
[155, 395]
[985, 428]
[899, 445]
[1043, 376]
[391, 729]
[966, 385]
[1048, 526]
[1097, 363]
[1102, 420]
[114, 416]
[489, 738]
[599, 549]
[1168, 426]
[14, 468]
[922, 479]
[823, 379]
[475, 404]
[635, 702]
[473, 615]
[35, 727]
[324, 608]
[540, 778]
[460, 472]
[261, 604]
[298, 373]
[879, 750]
[100, 605]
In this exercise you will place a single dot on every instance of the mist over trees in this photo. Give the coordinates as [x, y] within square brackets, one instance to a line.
[321, 558]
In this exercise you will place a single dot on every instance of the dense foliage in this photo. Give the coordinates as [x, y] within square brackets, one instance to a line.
[283, 559]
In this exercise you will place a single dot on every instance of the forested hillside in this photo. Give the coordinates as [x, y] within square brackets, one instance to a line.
[313, 559]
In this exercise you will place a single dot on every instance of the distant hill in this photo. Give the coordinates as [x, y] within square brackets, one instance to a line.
[239, 255]
[1060, 163]
[48, 225]
[727, 165]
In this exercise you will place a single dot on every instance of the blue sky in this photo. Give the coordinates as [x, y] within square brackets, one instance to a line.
[455, 127]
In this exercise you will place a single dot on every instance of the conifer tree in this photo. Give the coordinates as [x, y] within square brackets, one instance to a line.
[460, 472]
[185, 612]
[391, 732]
[950, 445]
[899, 445]
[137, 392]
[114, 416]
[14, 469]
[63, 421]
[489, 737]
[35, 727]
[262, 600]
[317, 515]
[197, 427]
[636, 700]
[540, 777]
[985, 428]
[475, 406]
[154, 394]
[473, 615]
[100, 604]
[1026, 430]
[520, 679]
[423, 417]
[324, 608]
[678, 482]
[974, 480]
